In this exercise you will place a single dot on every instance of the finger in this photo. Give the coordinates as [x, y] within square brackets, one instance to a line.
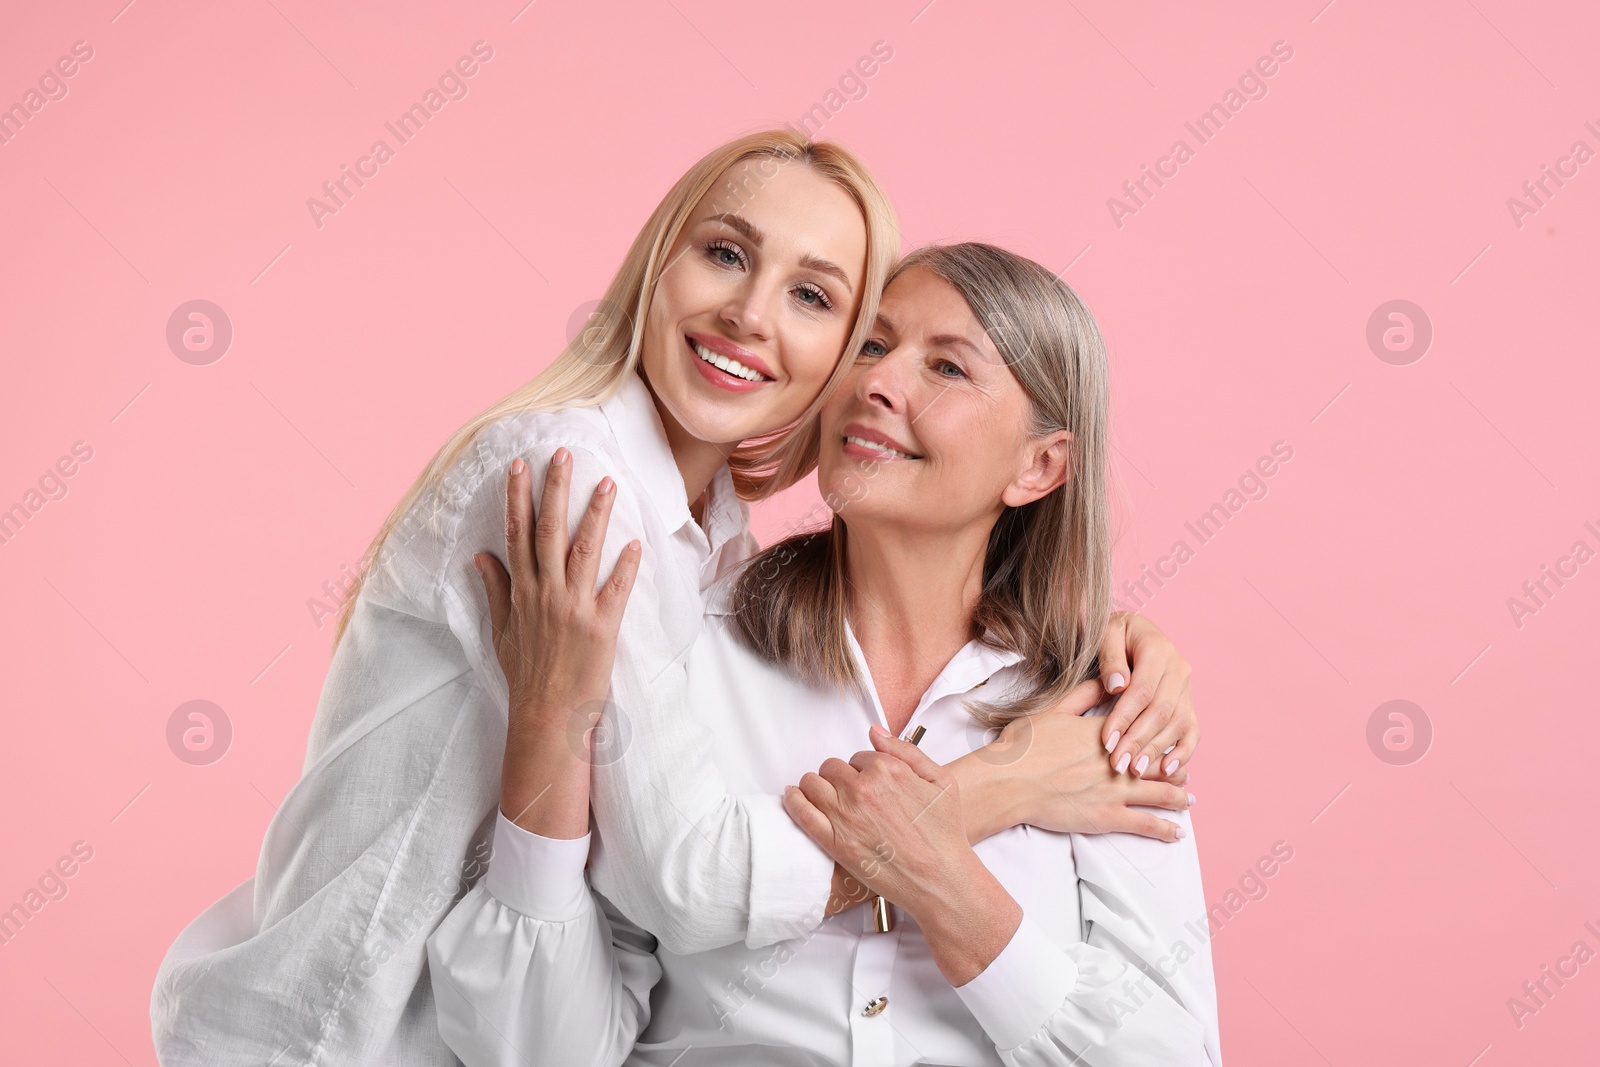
[819, 791]
[1160, 795]
[497, 588]
[1146, 824]
[614, 596]
[583, 558]
[519, 522]
[550, 527]
[1167, 683]
[1150, 722]
[806, 816]
[835, 771]
[925, 766]
[1181, 752]
[1114, 668]
[1163, 748]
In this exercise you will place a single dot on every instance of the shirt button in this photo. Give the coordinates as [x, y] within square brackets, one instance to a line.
[876, 1006]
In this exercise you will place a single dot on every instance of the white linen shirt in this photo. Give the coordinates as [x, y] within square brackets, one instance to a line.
[320, 958]
[1111, 963]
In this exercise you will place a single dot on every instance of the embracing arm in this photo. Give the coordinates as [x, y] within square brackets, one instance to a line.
[1134, 990]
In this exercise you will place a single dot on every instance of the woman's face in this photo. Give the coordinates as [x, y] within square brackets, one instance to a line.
[930, 430]
[758, 298]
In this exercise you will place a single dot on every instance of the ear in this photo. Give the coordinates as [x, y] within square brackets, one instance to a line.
[1046, 462]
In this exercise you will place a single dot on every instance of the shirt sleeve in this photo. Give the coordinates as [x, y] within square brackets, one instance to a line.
[531, 967]
[676, 851]
[318, 957]
[1138, 989]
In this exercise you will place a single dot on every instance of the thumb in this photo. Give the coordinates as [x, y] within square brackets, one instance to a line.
[497, 587]
[914, 757]
[1114, 669]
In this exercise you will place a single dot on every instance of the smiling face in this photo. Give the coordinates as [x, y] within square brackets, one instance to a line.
[759, 296]
[931, 430]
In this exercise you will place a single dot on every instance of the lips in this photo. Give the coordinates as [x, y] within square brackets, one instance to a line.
[729, 358]
[868, 443]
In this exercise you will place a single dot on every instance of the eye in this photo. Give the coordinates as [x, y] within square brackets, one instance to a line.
[943, 366]
[813, 296]
[725, 253]
[874, 347]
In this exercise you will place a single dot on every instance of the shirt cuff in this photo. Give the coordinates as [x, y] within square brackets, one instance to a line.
[1021, 988]
[541, 877]
[790, 876]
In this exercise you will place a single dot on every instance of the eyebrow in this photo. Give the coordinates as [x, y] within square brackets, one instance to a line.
[944, 340]
[753, 234]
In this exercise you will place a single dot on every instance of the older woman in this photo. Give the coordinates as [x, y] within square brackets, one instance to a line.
[964, 583]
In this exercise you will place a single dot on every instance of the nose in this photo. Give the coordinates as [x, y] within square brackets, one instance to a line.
[882, 382]
[748, 310]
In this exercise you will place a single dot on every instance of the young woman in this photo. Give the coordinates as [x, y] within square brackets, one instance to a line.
[757, 270]
[979, 556]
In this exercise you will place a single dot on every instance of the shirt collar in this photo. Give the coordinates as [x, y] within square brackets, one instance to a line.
[973, 665]
[637, 427]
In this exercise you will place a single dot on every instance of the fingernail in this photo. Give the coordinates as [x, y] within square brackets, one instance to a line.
[1116, 681]
[517, 466]
[606, 485]
[477, 564]
[1138, 768]
[1172, 765]
[1168, 749]
[877, 729]
[1191, 799]
[1182, 833]
[1122, 764]
[561, 456]
[1111, 742]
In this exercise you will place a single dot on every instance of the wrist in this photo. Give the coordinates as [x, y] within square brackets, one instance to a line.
[988, 795]
[967, 927]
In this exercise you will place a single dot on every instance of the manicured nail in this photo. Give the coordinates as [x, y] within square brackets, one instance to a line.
[1182, 833]
[477, 564]
[1172, 765]
[1111, 742]
[1138, 768]
[1191, 799]
[1122, 764]
[1168, 749]
[517, 466]
[606, 485]
[1116, 681]
[877, 729]
[561, 456]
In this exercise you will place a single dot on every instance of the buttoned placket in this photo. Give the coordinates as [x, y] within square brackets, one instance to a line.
[872, 1035]
[872, 1028]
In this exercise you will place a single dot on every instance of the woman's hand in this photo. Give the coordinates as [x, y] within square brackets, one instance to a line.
[1050, 770]
[556, 638]
[1152, 728]
[891, 817]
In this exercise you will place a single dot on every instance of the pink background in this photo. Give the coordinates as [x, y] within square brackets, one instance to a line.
[1379, 565]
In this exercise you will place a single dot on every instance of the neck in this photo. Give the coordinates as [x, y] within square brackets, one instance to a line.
[912, 599]
[697, 460]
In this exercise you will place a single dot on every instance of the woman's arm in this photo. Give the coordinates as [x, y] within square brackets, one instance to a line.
[531, 967]
[891, 816]
[697, 865]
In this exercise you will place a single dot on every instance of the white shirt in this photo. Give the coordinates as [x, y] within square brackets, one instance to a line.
[1111, 963]
[320, 958]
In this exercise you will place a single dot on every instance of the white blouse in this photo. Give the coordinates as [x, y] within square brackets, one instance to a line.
[1110, 965]
[320, 958]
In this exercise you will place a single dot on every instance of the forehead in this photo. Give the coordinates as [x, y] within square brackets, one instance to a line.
[919, 305]
[797, 209]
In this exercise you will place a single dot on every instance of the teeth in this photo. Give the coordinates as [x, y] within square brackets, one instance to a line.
[877, 447]
[732, 366]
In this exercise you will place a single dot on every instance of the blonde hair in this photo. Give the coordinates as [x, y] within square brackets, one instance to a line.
[1047, 570]
[594, 366]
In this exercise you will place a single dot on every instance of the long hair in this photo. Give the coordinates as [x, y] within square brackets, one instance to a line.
[1046, 590]
[594, 366]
